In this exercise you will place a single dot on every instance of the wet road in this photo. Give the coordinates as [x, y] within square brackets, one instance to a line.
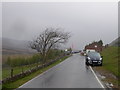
[71, 73]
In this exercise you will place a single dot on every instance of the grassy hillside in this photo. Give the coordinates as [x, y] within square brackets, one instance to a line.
[110, 59]
[109, 69]
[11, 46]
[116, 42]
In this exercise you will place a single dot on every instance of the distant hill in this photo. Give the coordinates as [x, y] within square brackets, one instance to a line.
[116, 42]
[10, 46]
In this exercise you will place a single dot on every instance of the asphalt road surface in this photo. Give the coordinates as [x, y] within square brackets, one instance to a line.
[71, 73]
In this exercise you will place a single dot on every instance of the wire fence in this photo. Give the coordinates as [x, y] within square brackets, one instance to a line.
[12, 74]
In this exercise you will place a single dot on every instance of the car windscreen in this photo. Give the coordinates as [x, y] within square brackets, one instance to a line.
[91, 54]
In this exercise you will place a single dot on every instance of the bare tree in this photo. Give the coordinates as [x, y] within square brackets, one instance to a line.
[49, 39]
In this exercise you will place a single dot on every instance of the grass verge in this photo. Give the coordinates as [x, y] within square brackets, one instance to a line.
[110, 65]
[16, 70]
[110, 56]
[17, 83]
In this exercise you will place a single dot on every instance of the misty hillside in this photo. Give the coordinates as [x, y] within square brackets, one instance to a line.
[10, 46]
[116, 42]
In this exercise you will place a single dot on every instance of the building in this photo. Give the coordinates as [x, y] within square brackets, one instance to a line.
[93, 47]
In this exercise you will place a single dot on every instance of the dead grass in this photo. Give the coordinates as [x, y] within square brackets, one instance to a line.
[13, 56]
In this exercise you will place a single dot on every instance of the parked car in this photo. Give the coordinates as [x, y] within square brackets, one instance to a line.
[94, 58]
[83, 53]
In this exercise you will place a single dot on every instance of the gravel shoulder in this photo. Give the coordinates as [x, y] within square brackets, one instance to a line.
[109, 80]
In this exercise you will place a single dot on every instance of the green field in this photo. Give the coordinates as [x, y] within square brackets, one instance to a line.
[16, 64]
[110, 59]
[16, 70]
[23, 62]
[21, 81]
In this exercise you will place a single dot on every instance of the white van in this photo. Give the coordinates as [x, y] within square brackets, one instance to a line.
[90, 50]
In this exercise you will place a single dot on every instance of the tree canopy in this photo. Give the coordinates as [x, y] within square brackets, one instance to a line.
[49, 39]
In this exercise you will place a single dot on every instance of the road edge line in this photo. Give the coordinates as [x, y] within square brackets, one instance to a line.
[96, 77]
[42, 73]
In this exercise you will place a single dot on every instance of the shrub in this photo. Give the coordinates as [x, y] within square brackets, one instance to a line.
[21, 61]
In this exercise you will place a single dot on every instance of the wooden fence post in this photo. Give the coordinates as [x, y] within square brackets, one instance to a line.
[11, 72]
[22, 69]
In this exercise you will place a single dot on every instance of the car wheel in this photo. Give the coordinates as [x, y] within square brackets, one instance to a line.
[101, 64]
[86, 63]
[92, 65]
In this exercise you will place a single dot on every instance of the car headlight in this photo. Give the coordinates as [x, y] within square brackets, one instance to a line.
[100, 58]
[89, 58]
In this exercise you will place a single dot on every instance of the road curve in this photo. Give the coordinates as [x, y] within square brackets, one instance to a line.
[71, 73]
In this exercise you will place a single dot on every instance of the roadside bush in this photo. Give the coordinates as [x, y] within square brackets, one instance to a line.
[54, 53]
[36, 58]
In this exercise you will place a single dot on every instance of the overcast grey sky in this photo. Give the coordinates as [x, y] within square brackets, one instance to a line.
[87, 21]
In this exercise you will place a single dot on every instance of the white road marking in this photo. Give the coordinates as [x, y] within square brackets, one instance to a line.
[96, 77]
[43, 73]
